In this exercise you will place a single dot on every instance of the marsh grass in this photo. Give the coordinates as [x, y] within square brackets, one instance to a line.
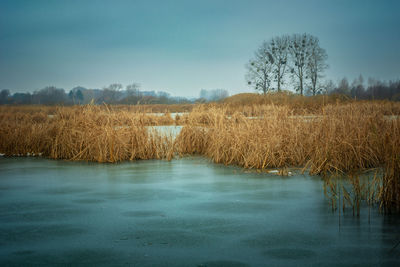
[343, 139]
[332, 139]
[88, 133]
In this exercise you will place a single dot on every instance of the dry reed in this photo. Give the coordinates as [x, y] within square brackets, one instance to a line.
[342, 139]
[89, 133]
[329, 138]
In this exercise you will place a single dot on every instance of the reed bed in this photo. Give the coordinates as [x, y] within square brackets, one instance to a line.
[88, 133]
[343, 138]
[156, 108]
[249, 103]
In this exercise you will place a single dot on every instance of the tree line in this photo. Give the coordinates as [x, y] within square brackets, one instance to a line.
[115, 93]
[359, 89]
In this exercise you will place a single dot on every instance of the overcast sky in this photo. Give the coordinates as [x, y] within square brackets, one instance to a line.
[184, 46]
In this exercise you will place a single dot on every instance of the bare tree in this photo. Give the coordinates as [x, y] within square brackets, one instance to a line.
[278, 48]
[343, 87]
[111, 93]
[213, 95]
[49, 95]
[316, 63]
[357, 88]
[133, 89]
[115, 87]
[259, 70]
[4, 96]
[299, 49]
[328, 87]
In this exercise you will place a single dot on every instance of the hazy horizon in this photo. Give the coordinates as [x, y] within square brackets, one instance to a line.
[182, 47]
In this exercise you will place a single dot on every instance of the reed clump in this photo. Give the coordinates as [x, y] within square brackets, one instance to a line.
[347, 139]
[90, 133]
[342, 139]
[389, 185]
[248, 143]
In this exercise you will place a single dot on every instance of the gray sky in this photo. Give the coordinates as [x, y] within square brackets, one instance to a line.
[184, 46]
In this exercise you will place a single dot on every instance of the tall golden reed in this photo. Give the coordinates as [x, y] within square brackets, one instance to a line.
[335, 138]
[342, 139]
[89, 133]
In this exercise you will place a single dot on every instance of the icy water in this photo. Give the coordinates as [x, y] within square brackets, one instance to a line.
[187, 212]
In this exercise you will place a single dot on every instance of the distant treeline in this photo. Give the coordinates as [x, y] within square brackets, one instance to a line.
[374, 89]
[132, 95]
[113, 94]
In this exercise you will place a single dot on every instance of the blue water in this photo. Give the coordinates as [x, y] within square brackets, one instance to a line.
[186, 212]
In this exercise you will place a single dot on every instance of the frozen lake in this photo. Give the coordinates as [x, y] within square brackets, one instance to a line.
[186, 212]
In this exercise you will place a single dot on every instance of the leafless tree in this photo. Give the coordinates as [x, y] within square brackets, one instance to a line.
[357, 87]
[328, 87]
[4, 96]
[316, 63]
[259, 69]
[278, 47]
[299, 49]
[111, 93]
[115, 87]
[133, 89]
[49, 95]
[343, 87]
[213, 95]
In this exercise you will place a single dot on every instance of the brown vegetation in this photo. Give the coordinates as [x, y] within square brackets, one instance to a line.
[341, 138]
[250, 103]
[85, 133]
